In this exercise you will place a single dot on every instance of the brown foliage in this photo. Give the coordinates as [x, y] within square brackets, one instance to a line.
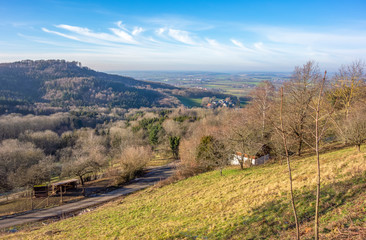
[132, 161]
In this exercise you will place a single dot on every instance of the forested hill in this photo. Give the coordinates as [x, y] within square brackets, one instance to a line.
[59, 83]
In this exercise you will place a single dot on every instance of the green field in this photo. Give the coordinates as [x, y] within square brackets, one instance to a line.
[243, 204]
[190, 102]
[237, 84]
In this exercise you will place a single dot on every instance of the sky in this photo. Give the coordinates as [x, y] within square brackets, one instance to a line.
[225, 36]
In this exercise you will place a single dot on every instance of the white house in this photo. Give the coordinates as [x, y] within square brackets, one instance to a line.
[238, 156]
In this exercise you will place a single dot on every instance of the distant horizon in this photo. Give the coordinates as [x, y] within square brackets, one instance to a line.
[168, 71]
[230, 36]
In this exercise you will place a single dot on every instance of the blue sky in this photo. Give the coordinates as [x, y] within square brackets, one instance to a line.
[185, 35]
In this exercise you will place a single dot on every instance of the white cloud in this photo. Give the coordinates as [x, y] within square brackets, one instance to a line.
[123, 36]
[237, 43]
[60, 34]
[212, 42]
[311, 38]
[137, 30]
[240, 45]
[119, 35]
[120, 25]
[160, 31]
[165, 46]
[258, 45]
[181, 36]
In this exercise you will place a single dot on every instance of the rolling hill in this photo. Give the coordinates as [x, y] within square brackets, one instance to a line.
[58, 83]
[243, 204]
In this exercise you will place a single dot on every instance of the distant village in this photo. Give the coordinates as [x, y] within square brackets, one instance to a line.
[229, 103]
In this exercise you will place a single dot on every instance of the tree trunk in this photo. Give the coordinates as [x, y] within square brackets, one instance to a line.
[317, 182]
[81, 180]
[358, 148]
[317, 141]
[289, 170]
[299, 146]
[241, 165]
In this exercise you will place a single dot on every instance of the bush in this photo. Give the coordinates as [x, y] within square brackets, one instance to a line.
[132, 161]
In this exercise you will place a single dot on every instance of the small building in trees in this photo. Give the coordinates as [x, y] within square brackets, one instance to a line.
[253, 160]
[261, 157]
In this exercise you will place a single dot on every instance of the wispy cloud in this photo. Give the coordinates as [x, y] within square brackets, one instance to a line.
[119, 35]
[338, 37]
[212, 42]
[237, 43]
[169, 45]
[137, 30]
[122, 36]
[61, 34]
[160, 31]
[181, 36]
[120, 25]
[240, 45]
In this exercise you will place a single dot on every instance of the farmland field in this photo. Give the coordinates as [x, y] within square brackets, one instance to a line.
[238, 84]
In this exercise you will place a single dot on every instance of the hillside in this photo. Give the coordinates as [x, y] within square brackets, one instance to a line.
[249, 204]
[57, 83]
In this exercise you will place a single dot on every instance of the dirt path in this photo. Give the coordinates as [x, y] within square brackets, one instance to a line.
[153, 176]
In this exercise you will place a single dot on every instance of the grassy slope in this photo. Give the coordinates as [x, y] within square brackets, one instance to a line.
[190, 102]
[249, 204]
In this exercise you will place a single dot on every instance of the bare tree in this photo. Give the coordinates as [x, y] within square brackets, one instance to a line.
[16, 159]
[262, 101]
[243, 135]
[39, 173]
[318, 137]
[300, 91]
[88, 156]
[348, 82]
[354, 127]
[132, 161]
[283, 133]
[47, 140]
[321, 114]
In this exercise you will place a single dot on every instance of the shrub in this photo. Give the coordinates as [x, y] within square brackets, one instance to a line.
[132, 161]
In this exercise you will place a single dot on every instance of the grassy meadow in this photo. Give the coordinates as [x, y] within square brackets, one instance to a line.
[243, 204]
[190, 102]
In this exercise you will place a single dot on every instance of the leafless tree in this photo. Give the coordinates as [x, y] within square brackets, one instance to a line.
[321, 112]
[262, 101]
[47, 140]
[354, 127]
[348, 83]
[87, 156]
[300, 91]
[283, 133]
[18, 160]
[244, 135]
[132, 161]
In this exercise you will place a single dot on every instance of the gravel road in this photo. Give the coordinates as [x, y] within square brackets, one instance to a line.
[153, 176]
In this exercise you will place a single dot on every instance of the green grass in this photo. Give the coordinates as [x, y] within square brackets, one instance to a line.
[249, 204]
[190, 102]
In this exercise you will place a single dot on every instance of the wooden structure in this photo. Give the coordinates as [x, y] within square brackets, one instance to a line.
[40, 191]
[63, 186]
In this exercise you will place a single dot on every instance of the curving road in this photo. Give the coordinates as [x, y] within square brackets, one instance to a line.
[153, 176]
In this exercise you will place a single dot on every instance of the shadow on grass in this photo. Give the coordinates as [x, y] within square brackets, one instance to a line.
[270, 219]
[275, 217]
